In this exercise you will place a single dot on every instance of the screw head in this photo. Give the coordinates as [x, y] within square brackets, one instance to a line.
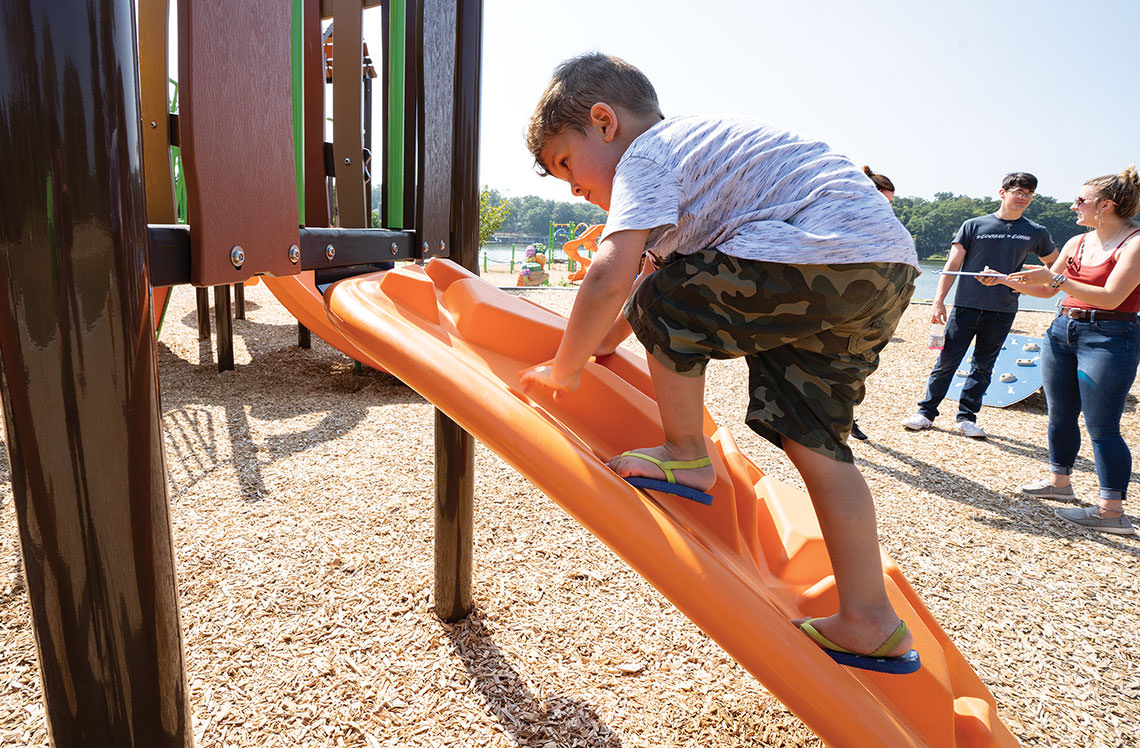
[395, 249]
[294, 254]
[330, 251]
[427, 248]
[443, 247]
[348, 162]
[237, 256]
[153, 124]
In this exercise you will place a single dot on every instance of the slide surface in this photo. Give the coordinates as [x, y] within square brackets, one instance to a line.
[740, 569]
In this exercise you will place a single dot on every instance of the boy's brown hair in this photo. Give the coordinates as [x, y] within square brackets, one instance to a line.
[577, 85]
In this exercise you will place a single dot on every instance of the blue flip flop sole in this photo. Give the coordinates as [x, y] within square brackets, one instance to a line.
[676, 489]
[901, 665]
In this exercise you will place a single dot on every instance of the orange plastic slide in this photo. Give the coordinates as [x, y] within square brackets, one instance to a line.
[299, 295]
[587, 241]
[740, 569]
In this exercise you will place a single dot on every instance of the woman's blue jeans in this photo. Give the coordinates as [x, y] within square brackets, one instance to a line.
[1090, 366]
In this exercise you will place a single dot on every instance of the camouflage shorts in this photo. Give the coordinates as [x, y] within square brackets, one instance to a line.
[811, 334]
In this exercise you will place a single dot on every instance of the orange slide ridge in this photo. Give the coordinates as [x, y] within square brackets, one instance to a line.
[740, 569]
[587, 241]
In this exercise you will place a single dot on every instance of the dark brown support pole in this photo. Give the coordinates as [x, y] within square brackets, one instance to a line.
[202, 295]
[79, 378]
[454, 518]
[455, 448]
[304, 337]
[223, 320]
[239, 301]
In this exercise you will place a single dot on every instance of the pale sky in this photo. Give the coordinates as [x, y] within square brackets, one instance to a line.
[939, 96]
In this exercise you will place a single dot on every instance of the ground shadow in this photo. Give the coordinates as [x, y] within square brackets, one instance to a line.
[1026, 515]
[291, 382]
[526, 719]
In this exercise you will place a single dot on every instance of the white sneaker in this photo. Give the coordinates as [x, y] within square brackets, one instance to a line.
[918, 422]
[970, 429]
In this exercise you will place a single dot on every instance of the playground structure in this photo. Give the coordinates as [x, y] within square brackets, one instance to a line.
[532, 272]
[81, 399]
[587, 241]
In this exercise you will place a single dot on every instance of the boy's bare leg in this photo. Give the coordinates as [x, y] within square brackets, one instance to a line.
[681, 401]
[846, 514]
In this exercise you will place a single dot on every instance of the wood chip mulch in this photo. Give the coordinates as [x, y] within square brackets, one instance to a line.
[301, 502]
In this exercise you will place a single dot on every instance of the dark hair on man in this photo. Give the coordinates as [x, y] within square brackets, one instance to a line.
[577, 85]
[882, 182]
[1019, 179]
[1123, 189]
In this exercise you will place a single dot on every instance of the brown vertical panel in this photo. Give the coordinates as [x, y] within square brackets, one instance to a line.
[436, 122]
[316, 198]
[465, 158]
[236, 135]
[348, 151]
[80, 382]
[153, 17]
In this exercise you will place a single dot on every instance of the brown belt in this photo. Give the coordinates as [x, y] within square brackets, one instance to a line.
[1092, 315]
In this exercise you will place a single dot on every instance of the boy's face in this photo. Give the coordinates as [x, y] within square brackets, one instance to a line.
[587, 160]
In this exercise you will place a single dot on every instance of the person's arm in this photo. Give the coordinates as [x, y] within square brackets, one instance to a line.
[620, 329]
[597, 304]
[1036, 280]
[945, 282]
[1121, 282]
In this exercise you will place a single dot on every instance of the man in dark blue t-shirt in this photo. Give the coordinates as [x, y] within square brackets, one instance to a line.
[982, 314]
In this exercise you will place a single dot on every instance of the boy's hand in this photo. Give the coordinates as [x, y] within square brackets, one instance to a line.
[542, 377]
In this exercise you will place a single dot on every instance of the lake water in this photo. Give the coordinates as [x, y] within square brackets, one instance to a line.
[498, 257]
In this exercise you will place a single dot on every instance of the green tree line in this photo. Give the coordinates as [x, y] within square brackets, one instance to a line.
[932, 223]
[531, 215]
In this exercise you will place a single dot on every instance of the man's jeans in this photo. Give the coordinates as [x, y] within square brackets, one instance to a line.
[962, 327]
[1090, 366]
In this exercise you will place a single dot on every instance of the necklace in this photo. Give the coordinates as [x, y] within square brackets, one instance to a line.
[1128, 226]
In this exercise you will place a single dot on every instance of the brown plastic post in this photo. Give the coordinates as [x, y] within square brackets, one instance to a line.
[454, 447]
[454, 518]
[348, 149]
[236, 134]
[316, 194]
[239, 301]
[81, 398]
[224, 322]
[202, 297]
[437, 22]
[154, 82]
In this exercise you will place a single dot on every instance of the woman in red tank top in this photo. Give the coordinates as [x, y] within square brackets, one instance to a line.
[1092, 348]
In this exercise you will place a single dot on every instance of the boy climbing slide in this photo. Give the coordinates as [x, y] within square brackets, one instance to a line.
[761, 244]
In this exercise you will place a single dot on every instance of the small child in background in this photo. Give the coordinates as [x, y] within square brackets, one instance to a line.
[759, 243]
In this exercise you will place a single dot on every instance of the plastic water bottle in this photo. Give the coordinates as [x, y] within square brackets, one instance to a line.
[937, 337]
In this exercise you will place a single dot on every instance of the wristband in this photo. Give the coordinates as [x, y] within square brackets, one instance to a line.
[1058, 281]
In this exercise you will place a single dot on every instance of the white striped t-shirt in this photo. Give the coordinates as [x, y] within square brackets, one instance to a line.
[753, 191]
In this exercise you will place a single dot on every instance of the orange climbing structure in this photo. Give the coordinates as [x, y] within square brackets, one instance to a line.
[588, 242]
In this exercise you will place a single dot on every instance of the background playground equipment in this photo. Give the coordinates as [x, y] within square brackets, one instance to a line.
[1016, 373]
[81, 399]
[533, 270]
[587, 242]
